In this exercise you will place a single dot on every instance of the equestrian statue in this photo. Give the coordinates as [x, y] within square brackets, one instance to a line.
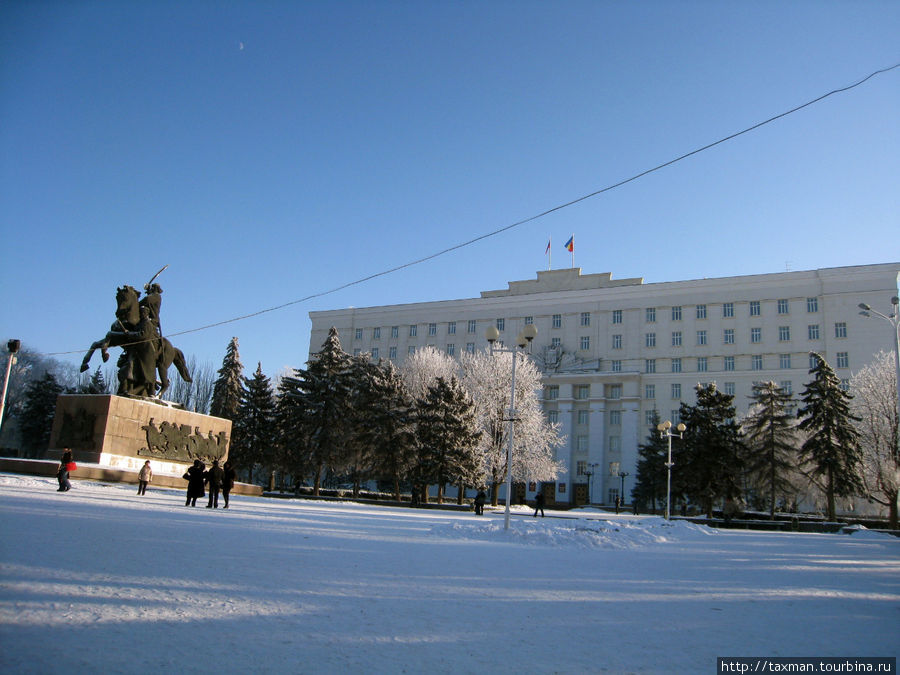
[145, 352]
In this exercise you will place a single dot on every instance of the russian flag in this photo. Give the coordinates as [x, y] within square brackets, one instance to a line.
[570, 245]
[548, 246]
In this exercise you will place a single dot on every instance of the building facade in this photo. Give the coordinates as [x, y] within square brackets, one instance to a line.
[616, 353]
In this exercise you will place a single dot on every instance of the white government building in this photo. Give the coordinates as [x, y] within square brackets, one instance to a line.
[614, 351]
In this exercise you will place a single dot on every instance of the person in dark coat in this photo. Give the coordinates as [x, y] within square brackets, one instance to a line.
[214, 478]
[194, 478]
[228, 481]
[539, 504]
[62, 475]
[479, 503]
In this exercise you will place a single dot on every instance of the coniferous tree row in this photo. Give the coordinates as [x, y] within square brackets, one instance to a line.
[253, 432]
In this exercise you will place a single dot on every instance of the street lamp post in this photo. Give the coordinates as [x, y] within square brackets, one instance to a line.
[622, 475]
[12, 346]
[894, 320]
[524, 338]
[591, 470]
[664, 429]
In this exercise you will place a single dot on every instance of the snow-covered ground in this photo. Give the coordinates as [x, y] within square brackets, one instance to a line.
[101, 580]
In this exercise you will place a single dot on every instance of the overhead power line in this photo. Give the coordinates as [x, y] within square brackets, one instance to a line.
[530, 219]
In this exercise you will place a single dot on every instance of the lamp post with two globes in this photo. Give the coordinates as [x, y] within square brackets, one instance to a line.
[664, 429]
[522, 340]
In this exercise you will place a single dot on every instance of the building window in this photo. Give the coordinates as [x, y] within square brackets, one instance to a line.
[471, 326]
[702, 364]
[783, 307]
[451, 349]
[729, 363]
[757, 362]
[813, 361]
[501, 325]
[840, 330]
[395, 331]
[552, 393]
[580, 467]
[728, 310]
[451, 328]
[358, 333]
[676, 390]
[649, 365]
[376, 333]
[650, 339]
[649, 391]
[756, 335]
[843, 360]
[413, 330]
[784, 333]
[617, 342]
[728, 336]
[392, 352]
[676, 365]
[581, 443]
[613, 495]
[583, 417]
[676, 338]
[701, 311]
[615, 391]
[555, 342]
[754, 308]
[585, 342]
[374, 353]
[650, 314]
[432, 329]
[553, 416]
[585, 318]
[787, 387]
[701, 337]
[615, 366]
[470, 347]
[676, 313]
[557, 320]
[411, 350]
[813, 331]
[615, 418]
[845, 385]
[617, 316]
[583, 391]
[562, 488]
[812, 305]
[729, 388]
[357, 351]
[650, 417]
[675, 416]
[784, 361]
[529, 320]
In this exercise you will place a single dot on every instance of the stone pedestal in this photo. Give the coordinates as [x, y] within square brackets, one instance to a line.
[123, 433]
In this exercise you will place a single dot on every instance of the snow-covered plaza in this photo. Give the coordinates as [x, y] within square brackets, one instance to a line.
[101, 580]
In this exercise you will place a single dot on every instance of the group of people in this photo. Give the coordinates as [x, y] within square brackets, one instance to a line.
[216, 478]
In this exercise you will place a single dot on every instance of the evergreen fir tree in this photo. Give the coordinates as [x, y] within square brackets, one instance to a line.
[708, 463]
[391, 432]
[226, 398]
[314, 406]
[832, 447]
[771, 443]
[253, 433]
[356, 458]
[651, 480]
[36, 419]
[448, 436]
[96, 385]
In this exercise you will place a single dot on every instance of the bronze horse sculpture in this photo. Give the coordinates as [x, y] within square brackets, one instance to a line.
[145, 352]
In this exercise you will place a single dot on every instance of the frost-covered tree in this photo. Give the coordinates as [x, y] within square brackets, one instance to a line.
[874, 403]
[253, 431]
[391, 431]
[448, 437]
[226, 396]
[832, 446]
[770, 436]
[36, 418]
[708, 462]
[487, 379]
[422, 368]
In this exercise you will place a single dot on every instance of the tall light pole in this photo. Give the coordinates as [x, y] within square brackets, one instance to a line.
[12, 346]
[665, 431]
[522, 340]
[894, 320]
[591, 470]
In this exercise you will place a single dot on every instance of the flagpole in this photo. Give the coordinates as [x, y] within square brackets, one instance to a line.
[573, 250]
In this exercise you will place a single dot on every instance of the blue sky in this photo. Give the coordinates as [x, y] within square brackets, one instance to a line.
[269, 151]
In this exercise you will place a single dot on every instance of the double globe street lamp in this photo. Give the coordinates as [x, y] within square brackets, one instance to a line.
[665, 431]
[894, 319]
[522, 340]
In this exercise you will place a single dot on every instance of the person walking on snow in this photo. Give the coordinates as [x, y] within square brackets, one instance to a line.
[144, 477]
[539, 504]
[214, 478]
